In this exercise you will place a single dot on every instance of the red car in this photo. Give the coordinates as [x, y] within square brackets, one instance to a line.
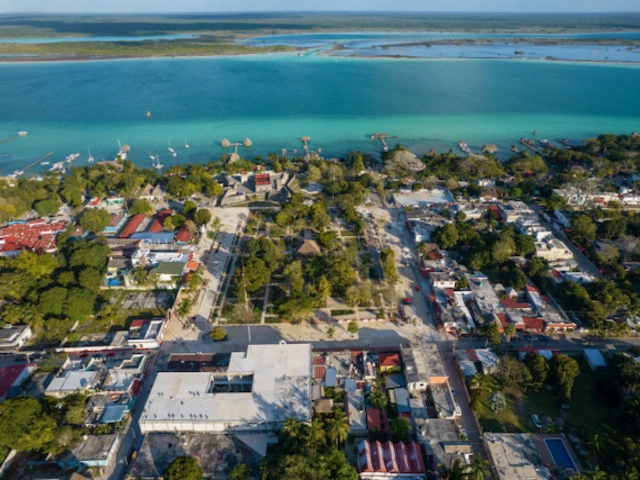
[407, 301]
[417, 288]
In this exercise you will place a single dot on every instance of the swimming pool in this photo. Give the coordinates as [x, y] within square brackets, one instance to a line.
[560, 454]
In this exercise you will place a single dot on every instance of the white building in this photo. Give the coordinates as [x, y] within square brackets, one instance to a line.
[73, 381]
[13, 337]
[552, 249]
[259, 390]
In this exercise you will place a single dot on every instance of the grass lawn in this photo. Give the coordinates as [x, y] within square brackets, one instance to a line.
[588, 409]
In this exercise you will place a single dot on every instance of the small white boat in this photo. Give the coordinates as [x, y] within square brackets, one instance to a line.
[90, 159]
[44, 163]
[23, 133]
[152, 157]
[158, 165]
[186, 145]
[174, 154]
[171, 149]
[71, 157]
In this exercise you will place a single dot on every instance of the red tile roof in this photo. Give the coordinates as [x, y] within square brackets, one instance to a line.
[504, 321]
[262, 179]
[8, 376]
[133, 224]
[158, 222]
[514, 304]
[389, 360]
[533, 323]
[531, 288]
[373, 419]
[183, 235]
[35, 235]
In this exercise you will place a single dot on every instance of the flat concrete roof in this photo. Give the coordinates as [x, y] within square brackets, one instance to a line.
[280, 387]
[515, 456]
[438, 432]
[72, 381]
[95, 447]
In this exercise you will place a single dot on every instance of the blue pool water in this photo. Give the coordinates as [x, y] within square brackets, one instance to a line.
[560, 453]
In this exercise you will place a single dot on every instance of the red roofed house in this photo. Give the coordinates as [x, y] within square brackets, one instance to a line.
[534, 324]
[396, 460]
[12, 377]
[158, 222]
[183, 235]
[35, 235]
[132, 226]
[512, 304]
[504, 321]
[390, 362]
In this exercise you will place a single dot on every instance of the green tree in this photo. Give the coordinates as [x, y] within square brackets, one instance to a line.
[184, 468]
[46, 208]
[509, 332]
[341, 274]
[141, 205]
[293, 276]
[218, 334]
[492, 333]
[564, 371]
[38, 266]
[538, 367]
[202, 217]
[479, 469]
[323, 291]
[184, 308]
[378, 399]
[52, 301]
[79, 304]
[455, 471]
[328, 239]
[95, 220]
[525, 245]
[583, 228]
[388, 261]
[446, 237]
[338, 427]
[213, 189]
[25, 425]
[140, 275]
[91, 279]
[256, 275]
[503, 249]
[188, 208]
[240, 472]
[400, 429]
[352, 327]
[74, 408]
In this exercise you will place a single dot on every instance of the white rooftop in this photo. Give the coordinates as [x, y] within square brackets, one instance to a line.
[271, 383]
[72, 381]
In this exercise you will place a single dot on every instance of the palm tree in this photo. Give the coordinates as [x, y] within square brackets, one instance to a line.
[140, 275]
[479, 469]
[456, 471]
[338, 427]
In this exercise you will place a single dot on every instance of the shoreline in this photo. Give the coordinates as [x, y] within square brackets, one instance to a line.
[296, 53]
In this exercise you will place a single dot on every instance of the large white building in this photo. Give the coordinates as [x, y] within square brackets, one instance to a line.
[257, 391]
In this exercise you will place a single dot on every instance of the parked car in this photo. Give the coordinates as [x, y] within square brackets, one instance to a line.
[417, 288]
[407, 301]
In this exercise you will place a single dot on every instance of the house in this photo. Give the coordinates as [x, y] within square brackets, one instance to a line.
[183, 236]
[169, 271]
[35, 235]
[308, 248]
[132, 226]
[115, 224]
[158, 221]
[390, 363]
[151, 193]
[73, 381]
[387, 460]
[91, 451]
[13, 337]
[12, 377]
[261, 182]
[146, 333]
[115, 201]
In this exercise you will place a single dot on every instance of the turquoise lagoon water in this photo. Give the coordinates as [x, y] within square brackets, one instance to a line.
[274, 100]
[30, 40]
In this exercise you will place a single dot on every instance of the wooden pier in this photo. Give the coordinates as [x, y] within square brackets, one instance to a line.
[10, 138]
[382, 136]
[33, 164]
[531, 146]
[305, 144]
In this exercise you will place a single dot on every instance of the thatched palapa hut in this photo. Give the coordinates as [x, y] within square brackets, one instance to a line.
[489, 148]
[247, 142]
[225, 143]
